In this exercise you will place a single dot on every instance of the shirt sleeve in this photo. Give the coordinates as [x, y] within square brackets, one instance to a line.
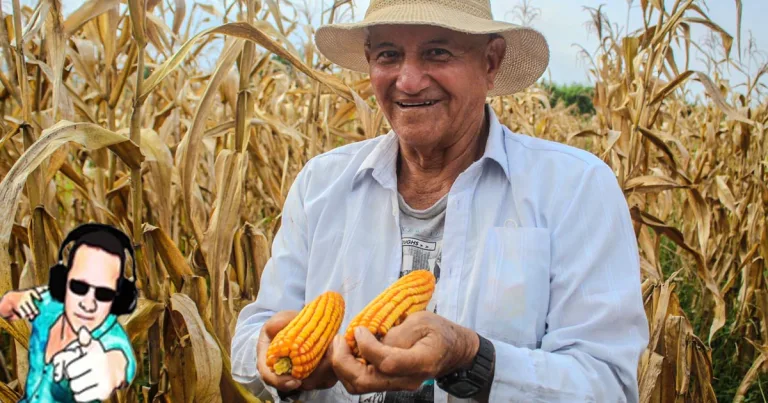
[596, 326]
[282, 287]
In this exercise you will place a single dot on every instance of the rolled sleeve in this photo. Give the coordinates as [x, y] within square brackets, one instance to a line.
[596, 326]
[282, 287]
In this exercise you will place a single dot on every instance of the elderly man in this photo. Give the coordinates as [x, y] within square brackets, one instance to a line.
[538, 294]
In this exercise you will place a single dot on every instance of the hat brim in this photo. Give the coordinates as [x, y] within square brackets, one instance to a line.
[525, 60]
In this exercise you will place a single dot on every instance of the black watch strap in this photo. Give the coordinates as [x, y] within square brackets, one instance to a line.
[289, 396]
[467, 382]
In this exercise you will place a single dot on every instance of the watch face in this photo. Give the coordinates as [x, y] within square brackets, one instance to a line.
[461, 389]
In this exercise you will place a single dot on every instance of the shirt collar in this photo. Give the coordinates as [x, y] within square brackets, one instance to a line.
[381, 161]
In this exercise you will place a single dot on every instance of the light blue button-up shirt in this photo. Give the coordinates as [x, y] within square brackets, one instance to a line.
[40, 386]
[539, 256]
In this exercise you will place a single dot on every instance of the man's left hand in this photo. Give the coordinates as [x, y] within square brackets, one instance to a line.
[96, 373]
[425, 346]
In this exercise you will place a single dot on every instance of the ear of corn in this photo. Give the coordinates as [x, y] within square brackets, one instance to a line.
[411, 293]
[298, 347]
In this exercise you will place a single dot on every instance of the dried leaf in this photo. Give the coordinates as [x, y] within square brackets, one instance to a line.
[187, 159]
[244, 31]
[207, 364]
[716, 96]
[171, 256]
[7, 394]
[17, 330]
[677, 237]
[143, 317]
[217, 241]
[86, 12]
[650, 183]
[725, 195]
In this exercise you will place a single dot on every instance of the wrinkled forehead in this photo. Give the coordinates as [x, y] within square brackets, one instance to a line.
[96, 266]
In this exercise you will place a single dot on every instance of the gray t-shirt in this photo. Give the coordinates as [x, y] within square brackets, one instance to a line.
[422, 235]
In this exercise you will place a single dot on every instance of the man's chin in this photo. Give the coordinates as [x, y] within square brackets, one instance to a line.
[79, 321]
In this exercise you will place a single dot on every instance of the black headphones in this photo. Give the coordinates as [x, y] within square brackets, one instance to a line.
[127, 294]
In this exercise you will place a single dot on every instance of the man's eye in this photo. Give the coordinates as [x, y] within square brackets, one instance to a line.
[439, 53]
[387, 55]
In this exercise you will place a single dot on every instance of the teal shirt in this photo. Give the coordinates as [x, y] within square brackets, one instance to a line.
[40, 387]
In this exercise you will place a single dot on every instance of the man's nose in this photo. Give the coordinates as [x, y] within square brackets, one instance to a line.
[412, 78]
[88, 302]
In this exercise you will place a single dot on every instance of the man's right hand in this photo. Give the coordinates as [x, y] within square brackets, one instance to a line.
[21, 304]
[322, 377]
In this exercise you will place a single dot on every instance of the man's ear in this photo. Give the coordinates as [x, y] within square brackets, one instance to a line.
[367, 48]
[494, 54]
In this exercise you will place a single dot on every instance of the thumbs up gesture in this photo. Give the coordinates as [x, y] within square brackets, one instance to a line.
[95, 373]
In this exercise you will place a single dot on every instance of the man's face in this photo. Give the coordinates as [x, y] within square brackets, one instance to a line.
[431, 82]
[96, 268]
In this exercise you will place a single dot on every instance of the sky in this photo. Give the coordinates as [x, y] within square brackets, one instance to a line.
[563, 23]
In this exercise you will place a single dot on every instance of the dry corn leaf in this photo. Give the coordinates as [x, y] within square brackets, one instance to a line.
[41, 243]
[137, 10]
[703, 272]
[716, 96]
[172, 258]
[7, 394]
[244, 31]
[187, 156]
[650, 183]
[36, 20]
[178, 15]
[217, 241]
[649, 375]
[205, 351]
[86, 12]
[138, 323]
[159, 177]
[725, 195]
[752, 374]
[19, 333]
[701, 212]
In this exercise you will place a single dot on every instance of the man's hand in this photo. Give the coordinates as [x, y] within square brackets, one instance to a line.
[96, 373]
[322, 377]
[425, 346]
[21, 304]
[63, 358]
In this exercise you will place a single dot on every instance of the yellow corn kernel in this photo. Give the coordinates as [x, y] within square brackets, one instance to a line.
[411, 293]
[299, 346]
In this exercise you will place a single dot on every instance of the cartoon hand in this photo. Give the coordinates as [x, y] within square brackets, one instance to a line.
[96, 373]
[63, 358]
[21, 304]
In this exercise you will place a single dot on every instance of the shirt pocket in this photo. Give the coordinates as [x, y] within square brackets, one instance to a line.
[514, 297]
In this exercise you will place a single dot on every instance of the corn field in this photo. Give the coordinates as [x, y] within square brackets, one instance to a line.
[108, 115]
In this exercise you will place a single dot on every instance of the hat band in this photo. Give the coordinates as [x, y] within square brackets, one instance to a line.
[438, 7]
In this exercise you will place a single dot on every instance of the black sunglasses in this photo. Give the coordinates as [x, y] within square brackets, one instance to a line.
[103, 294]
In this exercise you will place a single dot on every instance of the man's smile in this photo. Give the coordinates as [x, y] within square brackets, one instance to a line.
[88, 318]
[411, 104]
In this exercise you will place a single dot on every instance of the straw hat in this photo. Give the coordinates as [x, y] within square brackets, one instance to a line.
[525, 60]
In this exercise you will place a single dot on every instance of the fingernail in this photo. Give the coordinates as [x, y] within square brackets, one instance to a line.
[292, 384]
[358, 331]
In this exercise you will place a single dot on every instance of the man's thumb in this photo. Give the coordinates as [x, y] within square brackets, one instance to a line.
[84, 337]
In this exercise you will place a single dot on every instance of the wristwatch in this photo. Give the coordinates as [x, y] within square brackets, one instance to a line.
[469, 381]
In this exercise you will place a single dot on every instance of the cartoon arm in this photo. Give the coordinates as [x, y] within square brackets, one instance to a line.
[21, 304]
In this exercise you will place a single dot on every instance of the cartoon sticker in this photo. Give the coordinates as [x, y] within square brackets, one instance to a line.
[78, 352]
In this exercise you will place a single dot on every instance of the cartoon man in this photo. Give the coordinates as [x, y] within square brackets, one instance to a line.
[78, 352]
